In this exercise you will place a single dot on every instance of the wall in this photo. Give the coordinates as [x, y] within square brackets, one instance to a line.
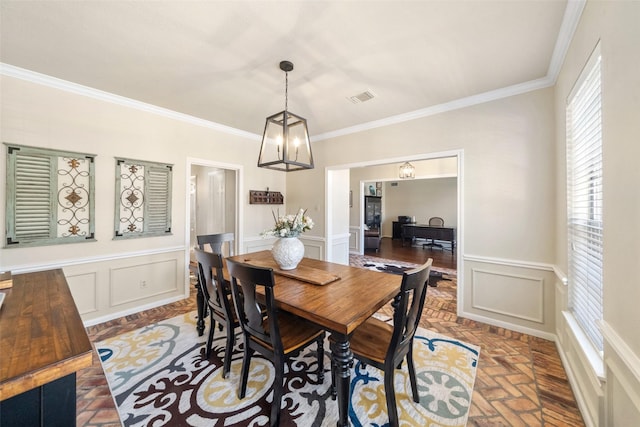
[607, 387]
[422, 198]
[506, 228]
[109, 278]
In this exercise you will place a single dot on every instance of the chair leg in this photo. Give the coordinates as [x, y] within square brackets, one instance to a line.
[412, 376]
[390, 392]
[244, 376]
[212, 329]
[321, 358]
[228, 351]
[274, 417]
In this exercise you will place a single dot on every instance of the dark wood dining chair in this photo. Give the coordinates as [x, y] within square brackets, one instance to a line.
[218, 300]
[220, 243]
[275, 334]
[384, 346]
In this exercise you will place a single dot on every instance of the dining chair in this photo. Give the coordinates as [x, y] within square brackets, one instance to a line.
[219, 243]
[384, 346]
[218, 300]
[275, 334]
[434, 221]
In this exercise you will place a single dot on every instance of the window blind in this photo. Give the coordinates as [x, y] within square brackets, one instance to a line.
[584, 200]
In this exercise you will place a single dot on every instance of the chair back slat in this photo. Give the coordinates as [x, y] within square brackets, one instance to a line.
[245, 279]
[220, 243]
[408, 307]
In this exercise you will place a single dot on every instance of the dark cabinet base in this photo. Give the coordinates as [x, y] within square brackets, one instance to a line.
[50, 405]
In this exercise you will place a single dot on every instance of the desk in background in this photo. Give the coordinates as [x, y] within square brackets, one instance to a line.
[43, 344]
[424, 231]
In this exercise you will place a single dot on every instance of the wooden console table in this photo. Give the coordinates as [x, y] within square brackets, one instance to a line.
[447, 234]
[43, 343]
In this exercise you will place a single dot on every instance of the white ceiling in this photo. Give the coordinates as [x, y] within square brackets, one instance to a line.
[218, 60]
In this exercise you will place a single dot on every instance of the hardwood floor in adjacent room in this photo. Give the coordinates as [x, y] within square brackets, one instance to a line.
[520, 379]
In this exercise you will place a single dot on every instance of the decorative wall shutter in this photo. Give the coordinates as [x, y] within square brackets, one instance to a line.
[50, 196]
[143, 198]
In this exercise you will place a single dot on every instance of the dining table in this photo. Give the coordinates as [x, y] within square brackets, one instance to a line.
[334, 296]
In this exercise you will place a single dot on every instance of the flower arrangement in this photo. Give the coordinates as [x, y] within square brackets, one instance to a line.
[289, 225]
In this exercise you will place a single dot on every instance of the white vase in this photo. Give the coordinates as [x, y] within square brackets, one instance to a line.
[287, 252]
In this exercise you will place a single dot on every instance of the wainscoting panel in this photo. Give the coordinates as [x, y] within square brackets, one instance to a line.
[511, 295]
[137, 282]
[257, 244]
[340, 248]
[354, 240]
[84, 288]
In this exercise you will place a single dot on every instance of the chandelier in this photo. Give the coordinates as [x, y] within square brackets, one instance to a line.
[407, 171]
[285, 142]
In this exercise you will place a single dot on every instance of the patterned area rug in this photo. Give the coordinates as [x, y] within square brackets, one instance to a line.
[158, 376]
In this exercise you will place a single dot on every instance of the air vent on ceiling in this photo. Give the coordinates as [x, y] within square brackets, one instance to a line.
[362, 97]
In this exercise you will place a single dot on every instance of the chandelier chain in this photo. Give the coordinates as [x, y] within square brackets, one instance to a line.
[286, 91]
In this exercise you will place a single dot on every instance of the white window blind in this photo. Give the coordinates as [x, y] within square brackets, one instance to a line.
[584, 200]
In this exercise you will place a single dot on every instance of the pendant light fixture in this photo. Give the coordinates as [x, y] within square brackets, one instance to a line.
[285, 142]
[407, 171]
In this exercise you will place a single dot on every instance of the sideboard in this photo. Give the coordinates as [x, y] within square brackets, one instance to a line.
[43, 343]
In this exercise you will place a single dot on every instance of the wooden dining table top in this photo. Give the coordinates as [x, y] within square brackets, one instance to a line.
[339, 306]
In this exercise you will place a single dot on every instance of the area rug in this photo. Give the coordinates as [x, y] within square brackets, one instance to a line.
[158, 376]
[398, 267]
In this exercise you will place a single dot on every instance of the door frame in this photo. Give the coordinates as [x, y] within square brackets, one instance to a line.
[458, 154]
[239, 207]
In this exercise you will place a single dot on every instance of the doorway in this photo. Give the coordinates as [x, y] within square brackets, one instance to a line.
[213, 201]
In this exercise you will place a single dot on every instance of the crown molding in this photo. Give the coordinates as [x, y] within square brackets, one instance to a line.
[570, 21]
[64, 85]
[457, 104]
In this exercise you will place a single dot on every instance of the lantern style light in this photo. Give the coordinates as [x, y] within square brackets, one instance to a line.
[407, 171]
[285, 142]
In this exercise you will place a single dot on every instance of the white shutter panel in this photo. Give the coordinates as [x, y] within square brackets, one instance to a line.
[33, 206]
[584, 201]
[158, 198]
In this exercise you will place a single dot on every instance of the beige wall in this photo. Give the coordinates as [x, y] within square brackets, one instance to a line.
[43, 116]
[617, 401]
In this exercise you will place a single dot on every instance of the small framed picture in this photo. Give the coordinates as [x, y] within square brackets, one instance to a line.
[378, 192]
[378, 186]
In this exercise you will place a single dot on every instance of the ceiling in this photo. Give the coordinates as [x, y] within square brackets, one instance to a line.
[218, 60]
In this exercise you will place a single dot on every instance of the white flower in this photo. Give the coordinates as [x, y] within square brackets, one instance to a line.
[290, 225]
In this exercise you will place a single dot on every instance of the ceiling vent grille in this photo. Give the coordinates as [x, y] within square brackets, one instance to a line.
[362, 97]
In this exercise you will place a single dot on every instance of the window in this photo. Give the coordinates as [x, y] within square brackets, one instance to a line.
[143, 199]
[584, 200]
[50, 197]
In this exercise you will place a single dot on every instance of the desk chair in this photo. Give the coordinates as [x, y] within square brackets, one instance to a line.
[434, 221]
[384, 346]
[217, 297]
[277, 335]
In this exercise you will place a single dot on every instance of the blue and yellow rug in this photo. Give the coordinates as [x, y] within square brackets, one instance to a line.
[158, 376]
